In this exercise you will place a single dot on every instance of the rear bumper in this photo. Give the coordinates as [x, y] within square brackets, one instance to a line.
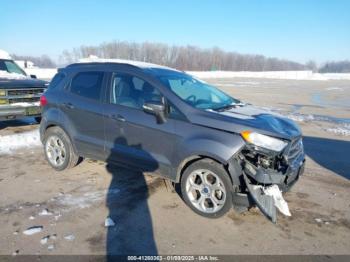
[9, 112]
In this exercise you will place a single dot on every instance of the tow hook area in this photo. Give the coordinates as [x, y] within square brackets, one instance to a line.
[268, 199]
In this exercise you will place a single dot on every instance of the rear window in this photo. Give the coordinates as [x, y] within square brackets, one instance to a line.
[56, 80]
[87, 84]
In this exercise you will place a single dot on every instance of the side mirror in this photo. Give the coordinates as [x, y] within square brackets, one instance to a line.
[33, 76]
[157, 109]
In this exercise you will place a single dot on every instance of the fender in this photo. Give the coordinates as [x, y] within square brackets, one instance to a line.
[219, 151]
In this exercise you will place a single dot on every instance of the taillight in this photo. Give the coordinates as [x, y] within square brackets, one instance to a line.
[43, 101]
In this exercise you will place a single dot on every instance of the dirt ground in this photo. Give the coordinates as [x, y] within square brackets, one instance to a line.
[150, 219]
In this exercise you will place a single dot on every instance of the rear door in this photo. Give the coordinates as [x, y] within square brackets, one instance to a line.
[83, 109]
[134, 137]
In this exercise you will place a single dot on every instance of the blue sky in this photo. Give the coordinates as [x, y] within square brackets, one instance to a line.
[299, 30]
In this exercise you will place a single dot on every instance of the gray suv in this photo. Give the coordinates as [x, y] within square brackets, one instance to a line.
[221, 152]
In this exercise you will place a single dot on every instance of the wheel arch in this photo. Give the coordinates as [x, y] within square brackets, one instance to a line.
[50, 125]
[196, 157]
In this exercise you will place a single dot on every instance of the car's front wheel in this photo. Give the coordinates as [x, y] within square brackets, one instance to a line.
[206, 188]
[58, 149]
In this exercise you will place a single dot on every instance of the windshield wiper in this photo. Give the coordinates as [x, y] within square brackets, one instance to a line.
[229, 106]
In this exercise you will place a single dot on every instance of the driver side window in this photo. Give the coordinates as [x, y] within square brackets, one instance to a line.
[131, 91]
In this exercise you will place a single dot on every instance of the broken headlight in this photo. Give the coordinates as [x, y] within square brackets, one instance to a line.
[264, 141]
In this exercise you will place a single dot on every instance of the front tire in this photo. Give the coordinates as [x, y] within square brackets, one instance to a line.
[58, 149]
[207, 189]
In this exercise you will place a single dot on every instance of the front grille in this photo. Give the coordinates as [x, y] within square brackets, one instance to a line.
[24, 92]
[24, 100]
[24, 95]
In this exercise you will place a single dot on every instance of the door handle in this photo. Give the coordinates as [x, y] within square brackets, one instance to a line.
[118, 118]
[68, 105]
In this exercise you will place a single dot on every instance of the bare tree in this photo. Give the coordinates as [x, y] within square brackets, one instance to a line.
[41, 61]
[181, 57]
[336, 67]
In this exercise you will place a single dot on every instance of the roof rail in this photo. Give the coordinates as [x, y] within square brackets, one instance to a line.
[97, 63]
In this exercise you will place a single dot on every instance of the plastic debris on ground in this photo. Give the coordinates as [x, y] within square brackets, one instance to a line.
[57, 216]
[44, 240]
[278, 199]
[45, 212]
[33, 230]
[109, 222]
[70, 237]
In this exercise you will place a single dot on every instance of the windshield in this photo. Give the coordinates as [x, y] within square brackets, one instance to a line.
[11, 67]
[196, 92]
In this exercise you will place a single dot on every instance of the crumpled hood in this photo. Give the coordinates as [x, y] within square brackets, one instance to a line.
[6, 83]
[249, 117]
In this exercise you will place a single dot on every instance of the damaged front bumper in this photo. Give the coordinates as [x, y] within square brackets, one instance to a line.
[257, 182]
[269, 176]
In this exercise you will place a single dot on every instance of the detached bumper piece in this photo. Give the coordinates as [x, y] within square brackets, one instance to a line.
[268, 199]
[264, 202]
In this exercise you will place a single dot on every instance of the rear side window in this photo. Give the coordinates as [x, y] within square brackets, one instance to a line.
[56, 80]
[87, 84]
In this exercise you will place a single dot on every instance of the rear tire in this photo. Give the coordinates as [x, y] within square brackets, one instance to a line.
[207, 189]
[58, 149]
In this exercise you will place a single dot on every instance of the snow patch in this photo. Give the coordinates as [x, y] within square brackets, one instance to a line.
[86, 200]
[300, 117]
[334, 88]
[343, 131]
[4, 55]
[141, 64]
[11, 143]
[296, 75]
[48, 73]
[42, 73]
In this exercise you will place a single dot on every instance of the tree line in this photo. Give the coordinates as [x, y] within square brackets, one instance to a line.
[43, 61]
[336, 67]
[181, 57]
[190, 58]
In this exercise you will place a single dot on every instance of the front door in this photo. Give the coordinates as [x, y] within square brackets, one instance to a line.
[133, 136]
